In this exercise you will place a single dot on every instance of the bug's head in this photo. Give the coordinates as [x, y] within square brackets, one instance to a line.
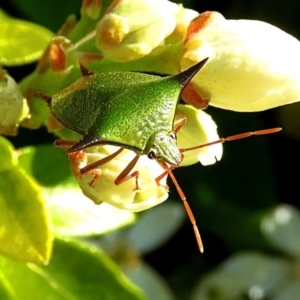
[162, 146]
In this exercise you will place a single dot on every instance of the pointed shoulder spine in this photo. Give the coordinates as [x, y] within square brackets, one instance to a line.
[185, 77]
[85, 71]
[45, 97]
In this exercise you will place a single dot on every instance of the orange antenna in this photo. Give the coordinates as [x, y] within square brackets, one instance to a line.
[186, 206]
[234, 137]
[168, 170]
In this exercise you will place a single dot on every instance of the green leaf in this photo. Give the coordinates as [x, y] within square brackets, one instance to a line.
[21, 42]
[47, 164]
[7, 158]
[253, 274]
[281, 228]
[6, 291]
[93, 270]
[76, 272]
[24, 223]
[152, 283]
[290, 291]
[73, 214]
[51, 14]
[156, 226]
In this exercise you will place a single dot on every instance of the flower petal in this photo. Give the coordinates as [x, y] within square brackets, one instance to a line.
[124, 33]
[199, 129]
[122, 196]
[253, 65]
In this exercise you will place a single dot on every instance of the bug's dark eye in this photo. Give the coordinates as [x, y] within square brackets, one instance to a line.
[152, 154]
[173, 136]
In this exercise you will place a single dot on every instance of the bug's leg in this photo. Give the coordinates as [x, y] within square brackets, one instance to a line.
[65, 144]
[179, 122]
[85, 71]
[185, 203]
[89, 169]
[234, 137]
[100, 162]
[126, 175]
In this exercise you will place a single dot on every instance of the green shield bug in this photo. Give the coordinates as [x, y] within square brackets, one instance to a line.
[133, 111]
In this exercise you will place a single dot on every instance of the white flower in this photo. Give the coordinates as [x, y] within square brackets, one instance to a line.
[132, 29]
[198, 130]
[123, 196]
[252, 65]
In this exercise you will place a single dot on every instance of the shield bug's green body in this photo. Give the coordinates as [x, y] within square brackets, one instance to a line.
[129, 110]
[126, 109]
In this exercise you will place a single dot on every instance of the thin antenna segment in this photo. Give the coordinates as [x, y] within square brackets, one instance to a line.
[188, 211]
[234, 138]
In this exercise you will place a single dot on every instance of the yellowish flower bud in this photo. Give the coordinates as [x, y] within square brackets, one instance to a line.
[199, 129]
[58, 53]
[183, 19]
[131, 29]
[13, 106]
[91, 8]
[252, 65]
[98, 184]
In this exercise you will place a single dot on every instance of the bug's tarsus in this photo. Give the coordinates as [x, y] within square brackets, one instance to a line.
[234, 138]
[185, 204]
[85, 71]
[65, 144]
[126, 175]
[44, 97]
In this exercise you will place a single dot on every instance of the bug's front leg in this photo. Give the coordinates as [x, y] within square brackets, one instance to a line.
[65, 144]
[126, 175]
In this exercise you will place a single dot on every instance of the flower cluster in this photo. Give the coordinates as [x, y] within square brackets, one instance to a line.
[252, 66]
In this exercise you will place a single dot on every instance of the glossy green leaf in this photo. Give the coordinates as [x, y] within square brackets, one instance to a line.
[73, 214]
[76, 272]
[152, 283]
[47, 164]
[156, 226]
[252, 274]
[98, 276]
[21, 42]
[24, 222]
[281, 228]
[6, 290]
[290, 292]
[7, 158]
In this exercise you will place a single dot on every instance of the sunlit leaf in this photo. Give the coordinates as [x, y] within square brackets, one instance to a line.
[75, 272]
[7, 157]
[24, 222]
[89, 273]
[73, 214]
[21, 42]
[6, 290]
